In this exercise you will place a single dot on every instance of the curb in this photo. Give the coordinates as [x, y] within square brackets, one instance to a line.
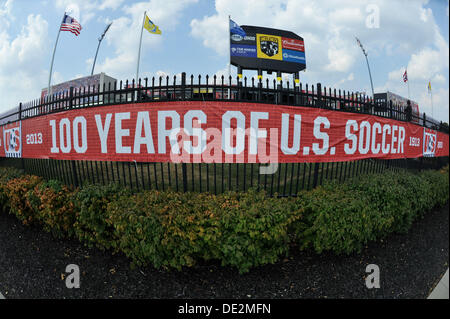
[441, 290]
[1, 296]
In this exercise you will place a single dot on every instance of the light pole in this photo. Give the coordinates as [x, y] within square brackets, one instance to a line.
[98, 47]
[365, 54]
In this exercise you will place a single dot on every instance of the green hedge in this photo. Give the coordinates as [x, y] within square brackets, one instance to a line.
[91, 225]
[54, 206]
[6, 174]
[344, 217]
[244, 230]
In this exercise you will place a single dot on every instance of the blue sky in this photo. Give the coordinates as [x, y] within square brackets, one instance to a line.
[399, 34]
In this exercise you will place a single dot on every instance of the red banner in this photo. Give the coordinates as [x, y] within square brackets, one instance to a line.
[293, 44]
[217, 132]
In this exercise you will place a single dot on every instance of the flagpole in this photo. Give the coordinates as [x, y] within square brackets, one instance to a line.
[368, 67]
[53, 58]
[407, 81]
[98, 47]
[409, 95]
[139, 52]
[229, 57]
[370, 76]
[431, 96]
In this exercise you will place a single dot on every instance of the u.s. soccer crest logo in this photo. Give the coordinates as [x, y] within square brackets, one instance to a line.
[429, 143]
[12, 141]
[270, 46]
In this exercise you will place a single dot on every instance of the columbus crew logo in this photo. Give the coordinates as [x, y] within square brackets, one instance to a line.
[269, 45]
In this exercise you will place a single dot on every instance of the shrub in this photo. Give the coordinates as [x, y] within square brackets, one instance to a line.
[167, 229]
[338, 220]
[6, 174]
[163, 228]
[54, 207]
[344, 217]
[244, 230]
[389, 197]
[171, 229]
[91, 225]
[438, 187]
[17, 191]
[254, 228]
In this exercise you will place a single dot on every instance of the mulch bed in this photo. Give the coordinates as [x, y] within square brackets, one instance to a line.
[33, 263]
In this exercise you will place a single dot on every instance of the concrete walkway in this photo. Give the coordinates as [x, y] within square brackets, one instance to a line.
[441, 290]
[1, 296]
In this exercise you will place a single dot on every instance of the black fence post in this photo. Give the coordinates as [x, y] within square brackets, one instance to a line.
[183, 165]
[72, 162]
[22, 162]
[239, 83]
[74, 173]
[296, 88]
[70, 97]
[319, 102]
[316, 174]
[183, 86]
[390, 110]
[279, 88]
[259, 85]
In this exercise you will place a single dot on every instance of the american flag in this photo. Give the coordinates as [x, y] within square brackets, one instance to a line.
[70, 24]
[405, 77]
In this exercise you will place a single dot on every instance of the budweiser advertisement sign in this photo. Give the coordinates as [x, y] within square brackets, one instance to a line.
[217, 132]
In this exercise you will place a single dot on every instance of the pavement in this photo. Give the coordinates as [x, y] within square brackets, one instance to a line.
[441, 290]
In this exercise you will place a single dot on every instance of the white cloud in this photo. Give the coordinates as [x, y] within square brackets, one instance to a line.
[125, 30]
[418, 90]
[406, 29]
[328, 27]
[84, 10]
[439, 110]
[110, 4]
[428, 63]
[5, 14]
[162, 74]
[24, 58]
[438, 78]
[349, 78]
[22, 62]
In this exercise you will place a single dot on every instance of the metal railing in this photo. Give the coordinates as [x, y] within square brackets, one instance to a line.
[287, 180]
[217, 89]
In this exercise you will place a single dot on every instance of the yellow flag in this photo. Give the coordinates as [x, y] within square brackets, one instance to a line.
[150, 26]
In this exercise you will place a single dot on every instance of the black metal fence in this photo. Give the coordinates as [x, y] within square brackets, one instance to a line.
[287, 180]
[217, 89]
[216, 178]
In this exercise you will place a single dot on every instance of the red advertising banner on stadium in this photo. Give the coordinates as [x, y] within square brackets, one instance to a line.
[217, 132]
[292, 44]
